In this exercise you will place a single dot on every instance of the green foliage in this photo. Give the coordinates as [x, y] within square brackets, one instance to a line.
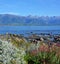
[43, 58]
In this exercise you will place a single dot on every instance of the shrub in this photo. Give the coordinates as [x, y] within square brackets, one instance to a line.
[44, 55]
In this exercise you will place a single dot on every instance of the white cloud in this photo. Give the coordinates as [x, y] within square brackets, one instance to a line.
[10, 13]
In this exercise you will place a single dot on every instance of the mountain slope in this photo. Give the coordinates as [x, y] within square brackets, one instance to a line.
[8, 19]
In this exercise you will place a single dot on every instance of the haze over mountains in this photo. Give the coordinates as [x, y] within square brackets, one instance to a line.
[9, 19]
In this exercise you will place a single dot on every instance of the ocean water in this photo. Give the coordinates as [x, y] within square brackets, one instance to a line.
[29, 29]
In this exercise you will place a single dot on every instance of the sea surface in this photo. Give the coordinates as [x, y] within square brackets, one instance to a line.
[29, 29]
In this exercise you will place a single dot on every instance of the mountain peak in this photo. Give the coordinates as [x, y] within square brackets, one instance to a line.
[10, 19]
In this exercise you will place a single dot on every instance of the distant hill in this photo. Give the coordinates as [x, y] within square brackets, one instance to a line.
[9, 19]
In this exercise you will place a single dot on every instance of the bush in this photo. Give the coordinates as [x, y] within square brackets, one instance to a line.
[42, 58]
[48, 55]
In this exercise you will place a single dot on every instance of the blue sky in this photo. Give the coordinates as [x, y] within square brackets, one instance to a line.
[30, 7]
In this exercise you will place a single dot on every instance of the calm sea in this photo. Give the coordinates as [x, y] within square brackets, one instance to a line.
[29, 29]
